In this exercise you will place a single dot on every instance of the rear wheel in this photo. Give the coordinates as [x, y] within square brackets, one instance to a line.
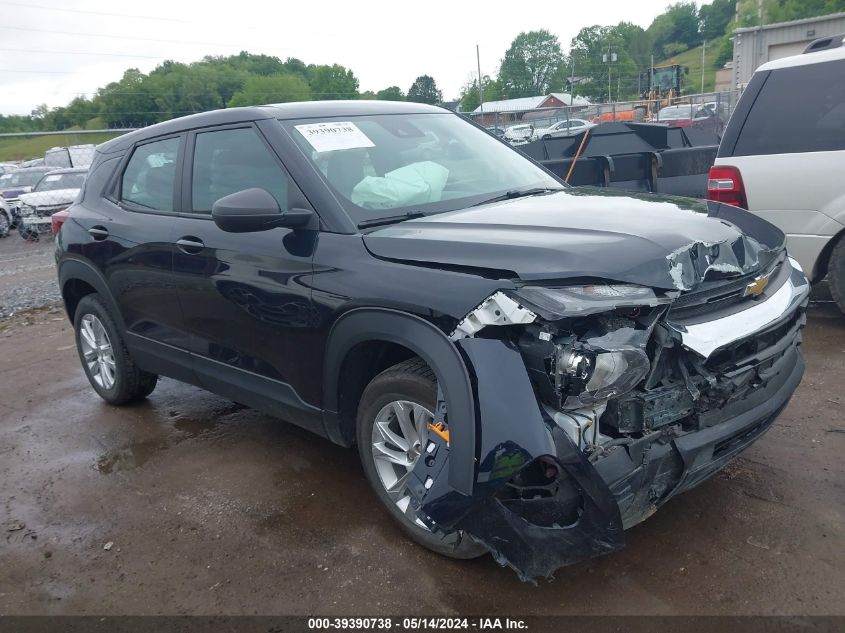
[393, 418]
[836, 273]
[105, 359]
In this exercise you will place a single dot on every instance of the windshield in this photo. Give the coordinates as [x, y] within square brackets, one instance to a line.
[20, 178]
[52, 182]
[387, 165]
[673, 113]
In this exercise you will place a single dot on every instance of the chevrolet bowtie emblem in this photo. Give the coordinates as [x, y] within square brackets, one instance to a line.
[756, 287]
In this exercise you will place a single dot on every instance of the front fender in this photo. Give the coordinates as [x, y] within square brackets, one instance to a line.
[432, 345]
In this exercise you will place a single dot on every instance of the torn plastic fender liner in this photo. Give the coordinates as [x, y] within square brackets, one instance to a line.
[511, 434]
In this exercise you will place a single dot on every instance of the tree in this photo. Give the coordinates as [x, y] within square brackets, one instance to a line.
[424, 90]
[332, 82]
[636, 43]
[785, 10]
[392, 93]
[531, 65]
[281, 88]
[715, 18]
[588, 52]
[469, 92]
[679, 23]
[128, 102]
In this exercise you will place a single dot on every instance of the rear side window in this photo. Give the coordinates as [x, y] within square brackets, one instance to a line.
[227, 161]
[150, 175]
[799, 109]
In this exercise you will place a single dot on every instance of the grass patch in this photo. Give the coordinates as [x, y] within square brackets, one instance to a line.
[26, 147]
[691, 59]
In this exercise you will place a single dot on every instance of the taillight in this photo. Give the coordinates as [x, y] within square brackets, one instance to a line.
[57, 219]
[724, 184]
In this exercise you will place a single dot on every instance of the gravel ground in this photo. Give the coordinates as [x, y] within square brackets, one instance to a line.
[27, 275]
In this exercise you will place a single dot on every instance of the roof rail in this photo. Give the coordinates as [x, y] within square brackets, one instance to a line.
[825, 43]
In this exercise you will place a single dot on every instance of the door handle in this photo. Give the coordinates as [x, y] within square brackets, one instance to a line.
[190, 244]
[99, 233]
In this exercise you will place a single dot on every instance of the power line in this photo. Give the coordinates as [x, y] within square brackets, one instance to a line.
[27, 5]
[39, 72]
[32, 50]
[130, 37]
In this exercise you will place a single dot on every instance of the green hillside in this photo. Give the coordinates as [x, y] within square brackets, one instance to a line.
[26, 147]
[691, 59]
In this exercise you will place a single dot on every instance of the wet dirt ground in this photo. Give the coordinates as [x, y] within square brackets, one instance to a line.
[189, 504]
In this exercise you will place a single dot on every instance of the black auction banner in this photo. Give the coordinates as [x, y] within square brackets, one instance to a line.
[410, 624]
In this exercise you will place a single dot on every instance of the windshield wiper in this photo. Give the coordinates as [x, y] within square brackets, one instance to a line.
[390, 219]
[519, 193]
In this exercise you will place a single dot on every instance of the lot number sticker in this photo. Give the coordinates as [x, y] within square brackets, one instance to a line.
[328, 137]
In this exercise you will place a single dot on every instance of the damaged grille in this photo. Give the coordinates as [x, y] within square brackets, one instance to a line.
[718, 295]
[684, 388]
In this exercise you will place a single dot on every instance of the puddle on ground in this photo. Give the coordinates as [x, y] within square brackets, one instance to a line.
[129, 457]
[136, 454]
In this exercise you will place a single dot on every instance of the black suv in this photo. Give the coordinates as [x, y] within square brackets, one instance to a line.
[526, 368]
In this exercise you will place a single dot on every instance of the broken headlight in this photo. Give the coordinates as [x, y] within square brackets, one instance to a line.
[595, 338]
[588, 373]
[575, 301]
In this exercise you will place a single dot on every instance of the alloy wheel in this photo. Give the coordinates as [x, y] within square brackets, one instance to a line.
[399, 434]
[97, 351]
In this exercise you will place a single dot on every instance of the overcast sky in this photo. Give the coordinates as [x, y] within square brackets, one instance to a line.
[52, 51]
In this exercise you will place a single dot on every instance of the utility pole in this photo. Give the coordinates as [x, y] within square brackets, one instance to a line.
[608, 59]
[480, 89]
[572, 78]
[703, 49]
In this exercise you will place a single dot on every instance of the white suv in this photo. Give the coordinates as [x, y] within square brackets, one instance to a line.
[782, 156]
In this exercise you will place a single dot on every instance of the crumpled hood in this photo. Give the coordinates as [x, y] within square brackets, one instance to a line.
[49, 198]
[662, 242]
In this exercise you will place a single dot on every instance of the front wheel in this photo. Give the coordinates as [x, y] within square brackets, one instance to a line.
[393, 417]
[105, 359]
[5, 223]
[836, 273]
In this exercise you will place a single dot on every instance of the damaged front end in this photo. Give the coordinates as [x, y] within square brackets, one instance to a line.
[596, 403]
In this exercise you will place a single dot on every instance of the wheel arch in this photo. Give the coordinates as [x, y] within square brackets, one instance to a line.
[823, 260]
[367, 325]
[77, 279]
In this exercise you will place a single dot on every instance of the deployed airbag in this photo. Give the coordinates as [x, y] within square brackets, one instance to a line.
[416, 183]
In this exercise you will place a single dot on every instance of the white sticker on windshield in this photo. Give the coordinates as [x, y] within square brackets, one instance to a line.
[328, 137]
[52, 178]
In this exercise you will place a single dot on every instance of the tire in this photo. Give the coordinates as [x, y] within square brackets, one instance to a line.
[836, 273]
[28, 234]
[5, 223]
[114, 377]
[411, 382]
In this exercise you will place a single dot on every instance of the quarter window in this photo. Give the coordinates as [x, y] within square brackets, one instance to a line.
[227, 161]
[782, 123]
[149, 177]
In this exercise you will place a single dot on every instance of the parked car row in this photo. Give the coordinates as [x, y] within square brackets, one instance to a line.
[522, 133]
[29, 196]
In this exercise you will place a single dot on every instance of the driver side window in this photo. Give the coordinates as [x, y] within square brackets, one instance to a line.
[227, 161]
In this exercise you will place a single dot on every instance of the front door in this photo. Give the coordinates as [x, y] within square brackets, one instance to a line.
[246, 297]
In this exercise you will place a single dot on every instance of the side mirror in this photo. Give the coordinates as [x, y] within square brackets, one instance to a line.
[253, 210]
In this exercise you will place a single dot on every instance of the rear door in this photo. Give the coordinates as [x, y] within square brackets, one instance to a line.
[246, 297]
[130, 231]
[790, 151]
